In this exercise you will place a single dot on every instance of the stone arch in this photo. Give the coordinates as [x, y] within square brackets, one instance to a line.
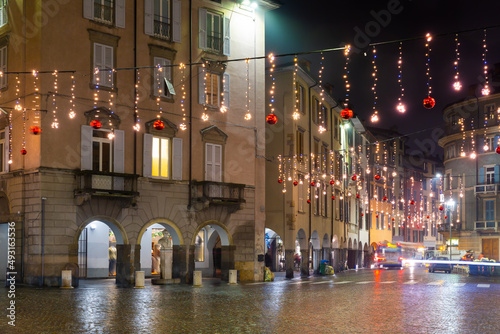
[326, 243]
[115, 226]
[335, 241]
[175, 232]
[315, 240]
[354, 244]
[226, 238]
[4, 205]
[349, 244]
[301, 238]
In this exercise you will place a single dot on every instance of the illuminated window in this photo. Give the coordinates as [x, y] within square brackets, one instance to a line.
[102, 153]
[160, 155]
[213, 84]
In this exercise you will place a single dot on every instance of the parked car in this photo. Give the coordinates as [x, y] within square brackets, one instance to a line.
[444, 266]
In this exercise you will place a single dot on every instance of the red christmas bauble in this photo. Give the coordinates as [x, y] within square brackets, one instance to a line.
[392, 219]
[308, 201]
[427, 217]
[35, 130]
[376, 216]
[353, 177]
[159, 125]
[23, 151]
[445, 217]
[332, 182]
[412, 202]
[313, 183]
[96, 124]
[280, 181]
[384, 198]
[498, 150]
[362, 214]
[377, 177]
[429, 102]
[409, 217]
[441, 208]
[271, 119]
[357, 195]
[346, 113]
[333, 197]
[295, 183]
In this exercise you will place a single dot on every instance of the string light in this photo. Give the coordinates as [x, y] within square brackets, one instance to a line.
[429, 102]
[456, 84]
[248, 115]
[400, 107]
[486, 88]
[296, 113]
[137, 126]
[374, 117]
[273, 83]
[182, 68]
[72, 113]
[36, 101]
[55, 122]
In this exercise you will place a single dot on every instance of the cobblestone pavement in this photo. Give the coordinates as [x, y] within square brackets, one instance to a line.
[364, 301]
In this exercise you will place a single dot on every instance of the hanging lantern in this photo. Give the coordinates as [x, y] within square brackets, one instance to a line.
[271, 119]
[497, 150]
[23, 151]
[354, 177]
[35, 130]
[295, 183]
[441, 208]
[377, 177]
[159, 125]
[96, 124]
[346, 113]
[332, 182]
[384, 198]
[280, 181]
[429, 102]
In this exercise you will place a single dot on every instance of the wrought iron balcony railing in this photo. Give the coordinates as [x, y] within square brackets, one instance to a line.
[487, 189]
[161, 26]
[219, 193]
[106, 184]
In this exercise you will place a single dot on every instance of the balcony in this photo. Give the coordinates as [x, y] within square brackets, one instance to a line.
[486, 189]
[486, 226]
[94, 183]
[161, 26]
[218, 193]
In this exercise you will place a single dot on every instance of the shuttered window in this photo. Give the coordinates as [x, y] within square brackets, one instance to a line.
[3, 13]
[214, 32]
[162, 19]
[110, 12]
[3, 67]
[213, 162]
[103, 65]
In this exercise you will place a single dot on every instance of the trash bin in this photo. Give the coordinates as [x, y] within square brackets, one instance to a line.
[322, 267]
[473, 269]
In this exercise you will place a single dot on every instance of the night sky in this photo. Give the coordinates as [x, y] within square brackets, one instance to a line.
[302, 26]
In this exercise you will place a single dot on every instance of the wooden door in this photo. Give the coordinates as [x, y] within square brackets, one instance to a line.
[490, 249]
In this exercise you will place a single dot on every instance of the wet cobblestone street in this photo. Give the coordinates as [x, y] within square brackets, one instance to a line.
[364, 301]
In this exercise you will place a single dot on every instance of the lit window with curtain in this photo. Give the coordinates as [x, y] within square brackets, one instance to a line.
[160, 157]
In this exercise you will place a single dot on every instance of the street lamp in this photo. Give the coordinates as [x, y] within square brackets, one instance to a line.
[450, 204]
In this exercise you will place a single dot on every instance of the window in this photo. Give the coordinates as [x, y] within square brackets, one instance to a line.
[110, 12]
[163, 78]
[161, 157]
[489, 112]
[4, 150]
[425, 203]
[162, 19]
[162, 152]
[450, 151]
[213, 88]
[377, 220]
[489, 210]
[301, 101]
[335, 127]
[317, 200]
[214, 32]
[490, 175]
[300, 192]
[317, 155]
[3, 66]
[101, 151]
[323, 117]
[299, 151]
[3, 13]
[213, 162]
[324, 158]
[103, 60]
[324, 205]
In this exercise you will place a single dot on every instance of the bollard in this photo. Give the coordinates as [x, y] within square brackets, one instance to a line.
[233, 276]
[66, 279]
[197, 278]
[139, 279]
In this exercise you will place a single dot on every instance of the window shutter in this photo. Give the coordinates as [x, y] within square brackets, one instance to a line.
[120, 13]
[3, 66]
[6, 149]
[177, 159]
[209, 161]
[497, 174]
[176, 21]
[148, 17]
[227, 98]
[202, 23]
[227, 36]
[119, 152]
[481, 175]
[98, 62]
[147, 155]
[202, 98]
[86, 148]
[217, 163]
[107, 76]
[88, 9]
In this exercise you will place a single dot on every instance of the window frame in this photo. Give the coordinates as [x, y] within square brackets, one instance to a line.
[101, 141]
[161, 75]
[4, 18]
[169, 157]
[102, 3]
[4, 66]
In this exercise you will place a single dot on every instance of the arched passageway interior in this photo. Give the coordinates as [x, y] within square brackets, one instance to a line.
[150, 248]
[97, 250]
[275, 253]
[211, 247]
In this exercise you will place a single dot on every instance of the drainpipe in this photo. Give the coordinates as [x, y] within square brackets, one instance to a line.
[310, 167]
[135, 89]
[190, 196]
[43, 239]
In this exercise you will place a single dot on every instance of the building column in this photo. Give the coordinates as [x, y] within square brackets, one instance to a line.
[304, 262]
[128, 259]
[181, 261]
[227, 261]
[289, 262]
